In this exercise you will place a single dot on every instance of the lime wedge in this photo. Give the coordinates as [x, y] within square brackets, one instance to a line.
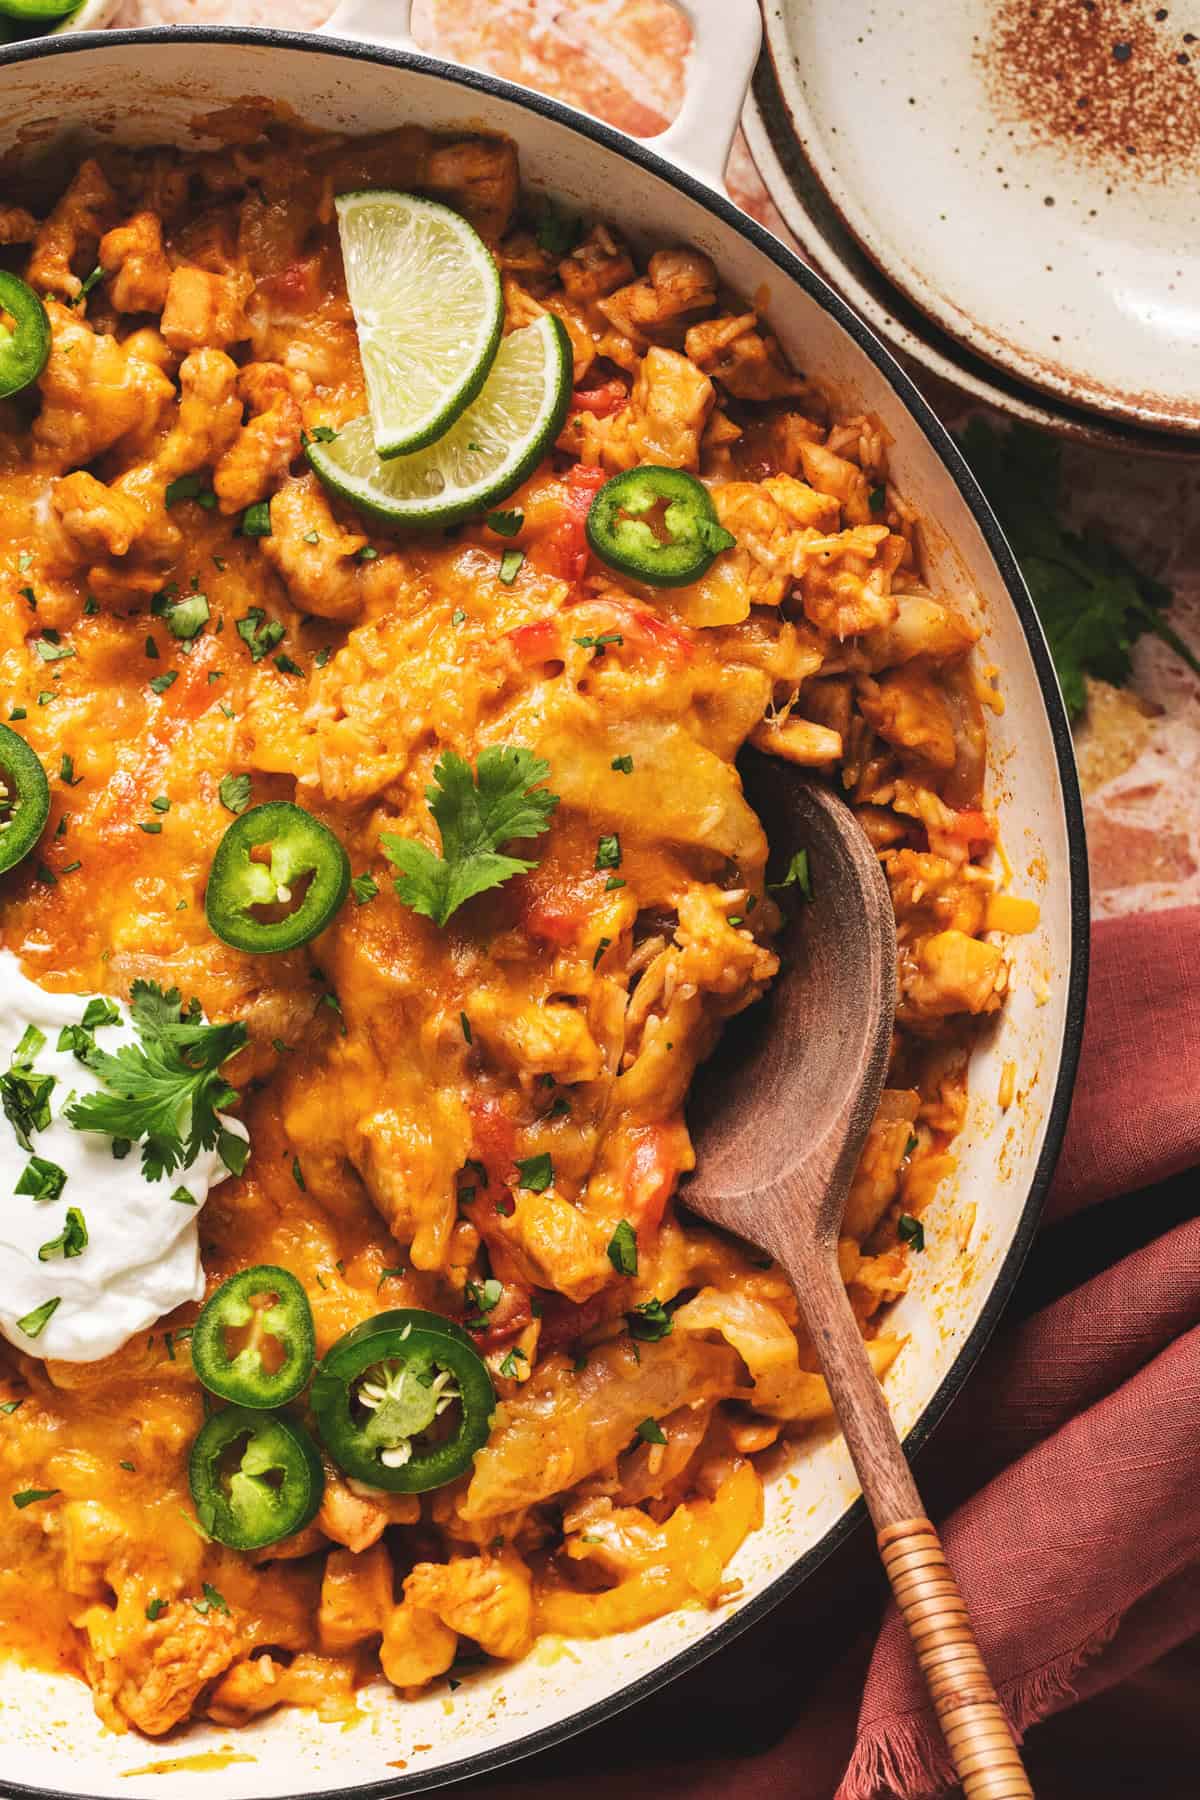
[486, 453]
[427, 303]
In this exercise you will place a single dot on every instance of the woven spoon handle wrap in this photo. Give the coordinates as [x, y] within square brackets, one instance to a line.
[976, 1729]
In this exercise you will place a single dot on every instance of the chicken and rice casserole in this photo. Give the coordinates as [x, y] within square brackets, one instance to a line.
[480, 1119]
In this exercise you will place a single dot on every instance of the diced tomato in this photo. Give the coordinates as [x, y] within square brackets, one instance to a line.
[564, 550]
[565, 1323]
[537, 642]
[295, 287]
[506, 1320]
[553, 907]
[651, 1174]
[972, 826]
[494, 1138]
[969, 822]
[636, 624]
[603, 401]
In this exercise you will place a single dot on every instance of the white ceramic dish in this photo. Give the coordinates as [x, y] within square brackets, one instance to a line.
[1035, 200]
[161, 86]
[832, 249]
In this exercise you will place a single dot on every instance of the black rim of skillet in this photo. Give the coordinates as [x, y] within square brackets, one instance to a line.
[646, 158]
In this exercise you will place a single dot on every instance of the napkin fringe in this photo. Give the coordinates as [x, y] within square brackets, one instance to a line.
[908, 1757]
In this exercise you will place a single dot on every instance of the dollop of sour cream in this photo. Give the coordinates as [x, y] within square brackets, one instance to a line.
[142, 1256]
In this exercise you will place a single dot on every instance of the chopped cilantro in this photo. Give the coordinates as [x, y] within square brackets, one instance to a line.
[650, 1321]
[35, 1322]
[42, 1180]
[622, 764]
[161, 683]
[651, 1432]
[234, 793]
[364, 888]
[798, 875]
[259, 633]
[50, 651]
[536, 1173]
[910, 1231]
[623, 1249]
[557, 232]
[163, 1091]
[72, 1239]
[256, 520]
[508, 1367]
[476, 811]
[504, 524]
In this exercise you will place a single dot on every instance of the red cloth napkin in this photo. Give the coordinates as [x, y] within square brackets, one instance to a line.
[1065, 1480]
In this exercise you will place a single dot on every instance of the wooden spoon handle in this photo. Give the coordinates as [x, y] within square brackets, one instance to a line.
[973, 1722]
[977, 1732]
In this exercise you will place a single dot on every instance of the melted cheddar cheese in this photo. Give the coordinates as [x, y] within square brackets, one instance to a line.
[397, 1073]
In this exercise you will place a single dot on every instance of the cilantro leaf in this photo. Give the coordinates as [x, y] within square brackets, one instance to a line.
[258, 633]
[1093, 603]
[797, 875]
[650, 1322]
[164, 1091]
[476, 811]
[623, 1249]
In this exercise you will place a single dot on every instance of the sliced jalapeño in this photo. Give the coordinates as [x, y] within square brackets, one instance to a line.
[253, 1342]
[24, 798]
[285, 897]
[24, 334]
[656, 525]
[255, 1478]
[403, 1401]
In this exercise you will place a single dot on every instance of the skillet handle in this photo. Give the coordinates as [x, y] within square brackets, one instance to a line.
[725, 40]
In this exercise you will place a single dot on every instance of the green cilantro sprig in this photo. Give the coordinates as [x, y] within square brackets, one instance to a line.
[165, 1091]
[476, 811]
[1093, 603]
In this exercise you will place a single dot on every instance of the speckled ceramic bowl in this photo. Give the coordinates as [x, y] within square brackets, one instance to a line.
[1025, 177]
[166, 86]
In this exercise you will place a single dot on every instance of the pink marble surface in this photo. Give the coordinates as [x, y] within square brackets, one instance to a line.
[1139, 749]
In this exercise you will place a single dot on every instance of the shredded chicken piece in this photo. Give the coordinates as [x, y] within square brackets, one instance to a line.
[747, 363]
[71, 233]
[261, 453]
[479, 177]
[950, 973]
[488, 1598]
[94, 393]
[417, 1646]
[260, 1683]
[206, 311]
[132, 256]
[356, 1597]
[16, 225]
[149, 1673]
[313, 554]
[102, 521]
[676, 283]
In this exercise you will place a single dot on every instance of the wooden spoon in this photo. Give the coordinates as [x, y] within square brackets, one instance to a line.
[778, 1117]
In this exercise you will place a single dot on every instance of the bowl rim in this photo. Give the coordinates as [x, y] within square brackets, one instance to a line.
[794, 187]
[1019, 361]
[645, 157]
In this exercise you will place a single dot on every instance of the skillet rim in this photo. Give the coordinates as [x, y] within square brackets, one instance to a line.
[644, 157]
